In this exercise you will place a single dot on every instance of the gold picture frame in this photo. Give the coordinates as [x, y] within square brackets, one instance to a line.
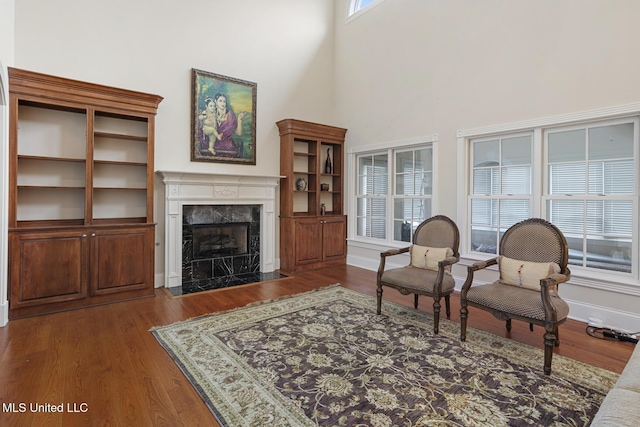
[223, 119]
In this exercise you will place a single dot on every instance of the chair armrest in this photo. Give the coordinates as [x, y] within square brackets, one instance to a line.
[450, 260]
[391, 252]
[550, 284]
[482, 264]
[471, 269]
[549, 289]
[442, 266]
[383, 258]
[557, 278]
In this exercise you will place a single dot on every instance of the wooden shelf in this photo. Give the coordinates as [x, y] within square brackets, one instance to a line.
[118, 162]
[120, 136]
[121, 188]
[50, 187]
[50, 159]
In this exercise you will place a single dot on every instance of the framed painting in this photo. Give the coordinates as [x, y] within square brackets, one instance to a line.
[223, 119]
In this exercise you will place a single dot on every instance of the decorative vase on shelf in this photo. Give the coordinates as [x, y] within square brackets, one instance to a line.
[328, 167]
[323, 209]
[301, 184]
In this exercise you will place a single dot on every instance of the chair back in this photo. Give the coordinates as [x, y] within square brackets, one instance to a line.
[535, 240]
[438, 232]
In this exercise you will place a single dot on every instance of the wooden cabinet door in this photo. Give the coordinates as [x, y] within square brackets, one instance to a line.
[308, 241]
[334, 237]
[122, 260]
[47, 268]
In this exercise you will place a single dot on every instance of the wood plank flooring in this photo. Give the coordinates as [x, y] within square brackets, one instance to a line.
[104, 364]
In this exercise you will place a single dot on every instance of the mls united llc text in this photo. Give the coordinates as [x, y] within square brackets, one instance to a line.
[22, 407]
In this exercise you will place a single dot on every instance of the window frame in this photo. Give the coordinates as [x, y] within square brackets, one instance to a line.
[372, 196]
[394, 196]
[499, 196]
[588, 196]
[592, 277]
[390, 149]
[355, 8]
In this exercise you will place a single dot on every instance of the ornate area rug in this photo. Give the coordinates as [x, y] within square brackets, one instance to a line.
[325, 358]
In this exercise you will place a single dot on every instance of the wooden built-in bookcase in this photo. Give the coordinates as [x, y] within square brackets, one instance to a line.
[313, 227]
[81, 228]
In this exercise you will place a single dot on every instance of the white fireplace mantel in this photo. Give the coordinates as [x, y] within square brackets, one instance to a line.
[186, 188]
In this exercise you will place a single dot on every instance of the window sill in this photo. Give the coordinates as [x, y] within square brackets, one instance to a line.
[376, 245]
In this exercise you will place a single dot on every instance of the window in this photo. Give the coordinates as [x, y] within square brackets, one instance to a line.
[590, 192]
[501, 188]
[357, 5]
[393, 198]
[373, 172]
[582, 178]
[412, 195]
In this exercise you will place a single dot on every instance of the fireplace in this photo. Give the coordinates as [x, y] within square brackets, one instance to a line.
[219, 240]
[220, 246]
[218, 200]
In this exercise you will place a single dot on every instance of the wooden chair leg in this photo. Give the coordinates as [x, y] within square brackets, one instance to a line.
[556, 332]
[531, 327]
[447, 304]
[436, 316]
[415, 301]
[379, 295]
[464, 312]
[509, 325]
[549, 342]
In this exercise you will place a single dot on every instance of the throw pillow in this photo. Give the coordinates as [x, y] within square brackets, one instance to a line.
[426, 257]
[525, 274]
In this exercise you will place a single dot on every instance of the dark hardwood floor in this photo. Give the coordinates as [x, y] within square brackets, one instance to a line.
[105, 364]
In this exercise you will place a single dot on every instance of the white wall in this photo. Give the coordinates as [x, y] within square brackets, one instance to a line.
[413, 68]
[284, 46]
[404, 70]
[6, 60]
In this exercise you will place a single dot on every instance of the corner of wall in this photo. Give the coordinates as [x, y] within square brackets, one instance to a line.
[4, 203]
[4, 314]
[159, 280]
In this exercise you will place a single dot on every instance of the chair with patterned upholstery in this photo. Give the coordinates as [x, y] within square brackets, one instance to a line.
[532, 261]
[434, 250]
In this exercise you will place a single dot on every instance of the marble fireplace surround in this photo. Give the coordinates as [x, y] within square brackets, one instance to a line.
[186, 188]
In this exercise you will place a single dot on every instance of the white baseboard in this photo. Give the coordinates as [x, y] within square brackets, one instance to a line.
[614, 319]
[159, 280]
[4, 314]
[366, 263]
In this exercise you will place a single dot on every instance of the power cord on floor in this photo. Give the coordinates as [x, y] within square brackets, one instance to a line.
[611, 334]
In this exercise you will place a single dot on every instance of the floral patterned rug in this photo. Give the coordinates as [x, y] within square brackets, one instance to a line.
[325, 358]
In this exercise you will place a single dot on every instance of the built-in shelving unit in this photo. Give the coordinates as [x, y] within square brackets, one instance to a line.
[312, 224]
[80, 193]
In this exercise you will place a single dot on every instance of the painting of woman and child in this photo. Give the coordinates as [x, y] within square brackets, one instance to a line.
[223, 119]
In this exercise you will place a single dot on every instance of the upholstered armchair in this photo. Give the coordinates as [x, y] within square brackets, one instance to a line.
[434, 250]
[532, 261]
